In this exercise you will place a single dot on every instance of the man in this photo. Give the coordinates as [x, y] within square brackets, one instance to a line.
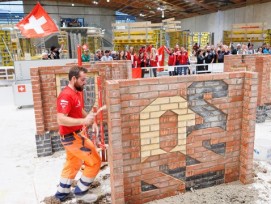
[71, 117]
[55, 52]
[44, 56]
[98, 55]
[114, 55]
[239, 49]
[171, 59]
[182, 59]
[86, 56]
[195, 47]
[209, 56]
[107, 56]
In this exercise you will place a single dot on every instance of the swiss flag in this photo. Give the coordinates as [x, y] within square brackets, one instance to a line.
[161, 58]
[37, 24]
[21, 88]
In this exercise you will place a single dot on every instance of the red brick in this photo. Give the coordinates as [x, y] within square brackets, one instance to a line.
[167, 80]
[149, 81]
[128, 83]
[140, 102]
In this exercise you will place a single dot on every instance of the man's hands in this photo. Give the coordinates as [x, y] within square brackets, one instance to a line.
[89, 119]
[95, 129]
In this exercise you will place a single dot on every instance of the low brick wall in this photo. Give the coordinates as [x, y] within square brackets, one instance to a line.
[262, 65]
[47, 83]
[170, 134]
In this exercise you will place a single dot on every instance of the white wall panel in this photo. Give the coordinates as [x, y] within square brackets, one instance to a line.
[222, 20]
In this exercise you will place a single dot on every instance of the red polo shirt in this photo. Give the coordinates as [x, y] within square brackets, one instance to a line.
[70, 103]
[183, 58]
[171, 60]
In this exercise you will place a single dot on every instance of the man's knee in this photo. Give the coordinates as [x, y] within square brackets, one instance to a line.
[92, 171]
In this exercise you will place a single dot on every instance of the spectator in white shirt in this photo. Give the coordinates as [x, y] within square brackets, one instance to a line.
[106, 57]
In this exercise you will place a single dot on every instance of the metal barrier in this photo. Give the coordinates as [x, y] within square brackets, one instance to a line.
[194, 68]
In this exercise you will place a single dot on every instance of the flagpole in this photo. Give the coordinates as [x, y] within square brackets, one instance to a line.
[79, 53]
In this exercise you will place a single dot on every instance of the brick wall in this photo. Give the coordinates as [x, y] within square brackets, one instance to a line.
[170, 134]
[262, 65]
[46, 84]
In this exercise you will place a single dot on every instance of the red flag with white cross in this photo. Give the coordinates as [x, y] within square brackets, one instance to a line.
[161, 58]
[21, 88]
[37, 23]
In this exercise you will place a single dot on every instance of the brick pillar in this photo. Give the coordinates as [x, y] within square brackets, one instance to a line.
[264, 85]
[248, 127]
[115, 152]
[38, 108]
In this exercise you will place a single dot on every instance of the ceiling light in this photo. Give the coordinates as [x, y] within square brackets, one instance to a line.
[142, 14]
[72, 4]
[108, 0]
[95, 2]
[161, 7]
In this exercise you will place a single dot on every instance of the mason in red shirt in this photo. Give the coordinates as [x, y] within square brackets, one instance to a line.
[70, 103]
[71, 117]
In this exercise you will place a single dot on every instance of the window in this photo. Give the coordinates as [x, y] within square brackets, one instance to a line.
[124, 18]
[11, 12]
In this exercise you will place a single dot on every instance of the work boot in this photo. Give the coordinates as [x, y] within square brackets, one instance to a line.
[55, 200]
[88, 198]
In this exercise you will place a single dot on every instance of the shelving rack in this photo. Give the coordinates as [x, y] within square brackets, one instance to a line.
[7, 48]
[137, 34]
[247, 32]
[72, 36]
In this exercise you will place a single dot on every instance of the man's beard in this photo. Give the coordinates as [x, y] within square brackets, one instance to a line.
[78, 87]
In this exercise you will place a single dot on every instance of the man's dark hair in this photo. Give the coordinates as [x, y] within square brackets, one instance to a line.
[52, 48]
[107, 51]
[75, 71]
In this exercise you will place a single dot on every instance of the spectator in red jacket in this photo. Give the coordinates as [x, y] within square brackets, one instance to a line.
[182, 59]
[141, 62]
[171, 59]
[154, 61]
[131, 55]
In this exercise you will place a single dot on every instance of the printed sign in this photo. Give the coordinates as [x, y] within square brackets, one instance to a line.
[21, 88]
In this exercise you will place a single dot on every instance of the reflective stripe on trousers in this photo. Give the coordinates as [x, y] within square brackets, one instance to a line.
[79, 149]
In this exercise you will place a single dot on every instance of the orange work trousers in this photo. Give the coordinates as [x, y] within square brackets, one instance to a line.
[79, 149]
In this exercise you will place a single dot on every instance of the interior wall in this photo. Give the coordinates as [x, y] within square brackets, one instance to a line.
[222, 20]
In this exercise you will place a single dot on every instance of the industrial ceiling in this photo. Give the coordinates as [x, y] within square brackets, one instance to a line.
[157, 10]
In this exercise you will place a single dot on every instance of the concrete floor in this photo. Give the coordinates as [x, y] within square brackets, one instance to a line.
[25, 178]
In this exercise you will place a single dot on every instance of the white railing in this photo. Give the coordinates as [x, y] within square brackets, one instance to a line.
[194, 68]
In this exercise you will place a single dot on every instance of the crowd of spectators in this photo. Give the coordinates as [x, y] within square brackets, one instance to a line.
[147, 56]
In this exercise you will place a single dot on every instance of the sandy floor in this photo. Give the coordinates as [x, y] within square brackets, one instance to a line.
[257, 193]
[26, 179]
